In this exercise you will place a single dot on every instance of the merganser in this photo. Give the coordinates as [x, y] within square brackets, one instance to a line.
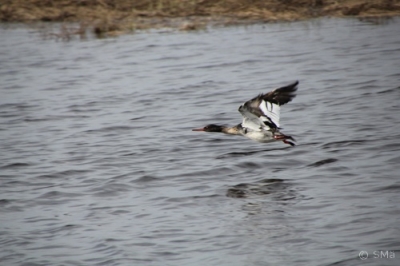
[260, 117]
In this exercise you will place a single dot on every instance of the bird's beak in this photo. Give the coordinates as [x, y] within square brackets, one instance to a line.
[198, 129]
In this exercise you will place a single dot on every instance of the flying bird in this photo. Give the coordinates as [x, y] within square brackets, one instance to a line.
[260, 117]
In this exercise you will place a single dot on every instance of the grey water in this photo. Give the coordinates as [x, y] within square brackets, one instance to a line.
[99, 166]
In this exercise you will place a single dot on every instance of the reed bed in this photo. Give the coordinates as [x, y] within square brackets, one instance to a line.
[118, 16]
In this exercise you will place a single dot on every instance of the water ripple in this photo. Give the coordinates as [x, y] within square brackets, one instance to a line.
[99, 165]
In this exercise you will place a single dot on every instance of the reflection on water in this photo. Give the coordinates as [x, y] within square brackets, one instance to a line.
[279, 189]
[378, 20]
[99, 165]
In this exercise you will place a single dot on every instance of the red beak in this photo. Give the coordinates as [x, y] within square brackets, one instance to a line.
[198, 129]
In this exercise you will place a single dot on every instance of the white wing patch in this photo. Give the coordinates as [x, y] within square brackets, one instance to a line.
[270, 110]
[252, 124]
[251, 121]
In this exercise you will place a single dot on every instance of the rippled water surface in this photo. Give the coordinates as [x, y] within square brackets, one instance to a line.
[99, 166]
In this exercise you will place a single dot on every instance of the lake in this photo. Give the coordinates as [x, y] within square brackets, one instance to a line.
[99, 166]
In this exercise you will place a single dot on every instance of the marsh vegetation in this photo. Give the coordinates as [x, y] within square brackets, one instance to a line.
[118, 16]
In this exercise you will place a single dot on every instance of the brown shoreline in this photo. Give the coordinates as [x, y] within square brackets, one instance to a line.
[110, 17]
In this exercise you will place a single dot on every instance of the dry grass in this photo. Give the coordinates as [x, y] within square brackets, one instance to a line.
[117, 16]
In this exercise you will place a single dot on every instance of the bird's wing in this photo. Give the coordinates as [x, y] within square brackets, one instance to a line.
[251, 121]
[263, 111]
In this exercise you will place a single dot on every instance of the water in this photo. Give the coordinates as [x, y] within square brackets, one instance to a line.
[99, 165]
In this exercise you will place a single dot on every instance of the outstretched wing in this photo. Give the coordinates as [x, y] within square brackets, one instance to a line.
[263, 111]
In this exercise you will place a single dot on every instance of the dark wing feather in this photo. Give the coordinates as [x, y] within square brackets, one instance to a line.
[281, 95]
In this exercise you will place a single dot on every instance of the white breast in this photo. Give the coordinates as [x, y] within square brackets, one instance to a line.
[260, 136]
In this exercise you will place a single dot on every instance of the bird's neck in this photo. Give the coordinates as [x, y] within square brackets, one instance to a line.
[231, 130]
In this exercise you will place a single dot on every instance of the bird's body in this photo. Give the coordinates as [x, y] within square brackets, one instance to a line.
[260, 136]
[261, 117]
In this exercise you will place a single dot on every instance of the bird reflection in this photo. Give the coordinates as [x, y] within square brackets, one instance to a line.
[279, 190]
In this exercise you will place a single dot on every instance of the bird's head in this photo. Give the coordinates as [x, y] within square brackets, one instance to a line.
[210, 128]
